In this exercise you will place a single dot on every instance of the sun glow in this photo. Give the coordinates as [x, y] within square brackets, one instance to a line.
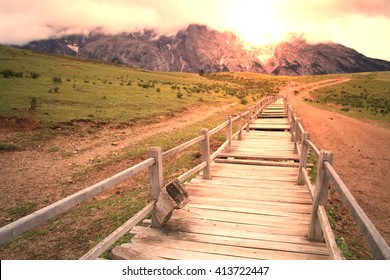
[255, 22]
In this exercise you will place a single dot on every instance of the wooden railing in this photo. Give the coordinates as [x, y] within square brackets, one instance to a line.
[155, 165]
[319, 227]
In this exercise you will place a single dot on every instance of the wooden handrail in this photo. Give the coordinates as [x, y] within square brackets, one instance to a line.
[36, 218]
[118, 233]
[375, 240]
[218, 128]
[313, 148]
[319, 225]
[182, 147]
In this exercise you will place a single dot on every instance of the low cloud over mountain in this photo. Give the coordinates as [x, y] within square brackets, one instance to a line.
[200, 48]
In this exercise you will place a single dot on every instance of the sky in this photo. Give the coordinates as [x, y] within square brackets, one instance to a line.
[363, 25]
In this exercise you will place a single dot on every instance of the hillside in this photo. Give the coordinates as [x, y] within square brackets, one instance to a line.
[199, 48]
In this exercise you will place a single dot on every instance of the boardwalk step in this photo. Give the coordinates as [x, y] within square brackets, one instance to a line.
[251, 208]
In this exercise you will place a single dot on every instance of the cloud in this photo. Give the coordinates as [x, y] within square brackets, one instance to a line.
[255, 20]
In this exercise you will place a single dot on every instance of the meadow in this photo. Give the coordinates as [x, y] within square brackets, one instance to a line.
[366, 96]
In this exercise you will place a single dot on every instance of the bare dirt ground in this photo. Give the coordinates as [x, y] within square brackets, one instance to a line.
[45, 174]
[361, 153]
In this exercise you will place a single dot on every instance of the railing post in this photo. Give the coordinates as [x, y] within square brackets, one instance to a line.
[249, 118]
[239, 125]
[292, 128]
[320, 196]
[229, 132]
[303, 159]
[205, 146]
[156, 179]
[297, 135]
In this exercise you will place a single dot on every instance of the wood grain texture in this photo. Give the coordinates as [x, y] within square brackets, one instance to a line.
[252, 208]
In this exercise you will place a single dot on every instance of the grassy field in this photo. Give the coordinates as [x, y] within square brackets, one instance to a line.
[366, 96]
[60, 89]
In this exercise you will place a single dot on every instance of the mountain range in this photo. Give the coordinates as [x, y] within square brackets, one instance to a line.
[199, 48]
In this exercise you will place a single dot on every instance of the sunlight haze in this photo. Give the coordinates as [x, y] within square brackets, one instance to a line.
[359, 24]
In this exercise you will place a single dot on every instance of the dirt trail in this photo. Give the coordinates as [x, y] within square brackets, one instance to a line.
[43, 175]
[361, 152]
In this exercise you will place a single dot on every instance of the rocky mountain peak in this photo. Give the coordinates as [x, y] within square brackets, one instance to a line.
[201, 48]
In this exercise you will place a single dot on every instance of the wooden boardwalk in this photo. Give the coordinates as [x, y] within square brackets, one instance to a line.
[251, 209]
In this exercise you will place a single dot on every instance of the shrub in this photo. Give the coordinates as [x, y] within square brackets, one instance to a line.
[19, 75]
[243, 101]
[34, 75]
[179, 95]
[7, 73]
[33, 104]
[57, 80]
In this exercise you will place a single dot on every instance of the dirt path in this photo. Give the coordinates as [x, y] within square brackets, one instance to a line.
[361, 153]
[44, 175]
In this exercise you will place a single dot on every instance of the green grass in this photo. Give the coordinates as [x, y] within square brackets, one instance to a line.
[365, 96]
[68, 88]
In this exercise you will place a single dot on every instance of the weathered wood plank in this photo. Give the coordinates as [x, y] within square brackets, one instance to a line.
[235, 251]
[202, 239]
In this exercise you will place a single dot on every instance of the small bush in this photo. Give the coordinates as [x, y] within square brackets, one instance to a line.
[7, 73]
[57, 80]
[19, 75]
[34, 75]
[345, 109]
[179, 95]
[33, 104]
[243, 101]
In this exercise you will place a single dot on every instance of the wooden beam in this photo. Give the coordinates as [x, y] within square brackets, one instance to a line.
[206, 153]
[320, 195]
[105, 244]
[32, 220]
[375, 240]
[156, 179]
[181, 147]
[334, 251]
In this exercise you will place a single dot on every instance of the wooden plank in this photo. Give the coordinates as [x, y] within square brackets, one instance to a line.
[142, 232]
[240, 231]
[250, 196]
[248, 218]
[245, 209]
[195, 224]
[158, 251]
[205, 189]
[128, 253]
[259, 157]
[259, 162]
[153, 241]
[334, 251]
[240, 183]
[258, 206]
